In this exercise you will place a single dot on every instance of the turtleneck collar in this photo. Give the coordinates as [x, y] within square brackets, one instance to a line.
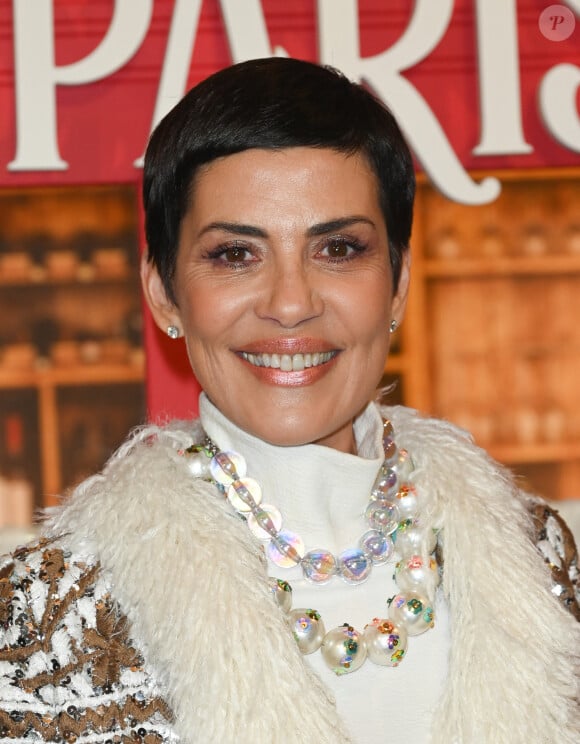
[322, 493]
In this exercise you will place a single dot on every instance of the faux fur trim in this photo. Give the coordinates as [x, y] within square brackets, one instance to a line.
[193, 583]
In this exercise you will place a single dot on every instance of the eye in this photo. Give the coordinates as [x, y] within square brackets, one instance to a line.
[234, 253]
[339, 249]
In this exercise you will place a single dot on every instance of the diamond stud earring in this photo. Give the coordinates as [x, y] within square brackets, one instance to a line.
[173, 332]
[393, 326]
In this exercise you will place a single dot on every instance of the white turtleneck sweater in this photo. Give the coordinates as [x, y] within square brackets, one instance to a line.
[322, 495]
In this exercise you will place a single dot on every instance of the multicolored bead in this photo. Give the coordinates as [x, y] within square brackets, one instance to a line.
[307, 628]
[413, 611]
[377, 546]
[354, 566]
[319, 566]
[386, 642]
[343, 649]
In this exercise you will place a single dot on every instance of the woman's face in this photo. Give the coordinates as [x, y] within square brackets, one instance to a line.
[284, 292]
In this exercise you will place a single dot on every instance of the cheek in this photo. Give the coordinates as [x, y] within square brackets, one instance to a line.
[369, 310]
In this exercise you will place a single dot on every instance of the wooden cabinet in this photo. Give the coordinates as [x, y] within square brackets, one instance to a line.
[71, 358]
[491, 340]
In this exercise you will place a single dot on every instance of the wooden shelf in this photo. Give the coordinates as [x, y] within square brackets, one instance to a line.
[84, 280]
[552, 265]
[536, 453]
[86, 374]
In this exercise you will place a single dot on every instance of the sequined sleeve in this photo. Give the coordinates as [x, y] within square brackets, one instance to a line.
[556, 543]
[68, 668]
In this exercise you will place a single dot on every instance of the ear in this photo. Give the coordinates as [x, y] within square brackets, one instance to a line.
[400, 297]
[164, 311]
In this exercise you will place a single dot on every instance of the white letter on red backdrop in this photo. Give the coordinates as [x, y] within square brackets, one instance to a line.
[246, 29]
[182, 33]
[247, 37]
[37, 75]
[339, 46]
[499, 79]
[558, 104]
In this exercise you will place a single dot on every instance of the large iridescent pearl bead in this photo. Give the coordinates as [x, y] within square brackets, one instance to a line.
[382, 515]
[286, 549]
[354, 566]
[412, 611]
[225, 466]
[282, 593]
[307, 628]
[386, 642]
[265, 522]
[244, 494]
[319, 566]
[343, 649]
[385, 482]
[417, 573]
[377, 546]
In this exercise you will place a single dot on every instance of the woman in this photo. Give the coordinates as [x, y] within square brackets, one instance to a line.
[157, 607]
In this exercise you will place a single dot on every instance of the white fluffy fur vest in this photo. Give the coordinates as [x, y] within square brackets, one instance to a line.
[192, 581]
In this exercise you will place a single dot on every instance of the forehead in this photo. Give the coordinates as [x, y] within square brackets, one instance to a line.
[298, 180]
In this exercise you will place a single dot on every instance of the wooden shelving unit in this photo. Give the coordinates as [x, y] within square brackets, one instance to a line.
[71, 361]
[491, 339]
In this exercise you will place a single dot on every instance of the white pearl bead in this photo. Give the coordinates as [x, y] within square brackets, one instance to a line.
[282, 592]
[343, 649]
[386, 642]
[417, 573]
[412, 611]
[198, 465]
[415, 541]
[307, 628]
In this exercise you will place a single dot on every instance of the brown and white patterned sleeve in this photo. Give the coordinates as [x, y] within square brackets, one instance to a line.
[556, 543]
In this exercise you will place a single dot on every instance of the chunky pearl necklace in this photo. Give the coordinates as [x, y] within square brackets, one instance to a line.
[393, 524]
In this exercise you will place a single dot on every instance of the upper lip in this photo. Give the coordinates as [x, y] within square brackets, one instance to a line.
[294, 345]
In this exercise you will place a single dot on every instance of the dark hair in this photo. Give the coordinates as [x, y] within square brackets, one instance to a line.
[271, 103]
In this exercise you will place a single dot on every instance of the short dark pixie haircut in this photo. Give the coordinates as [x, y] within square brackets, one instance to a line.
[272, 104]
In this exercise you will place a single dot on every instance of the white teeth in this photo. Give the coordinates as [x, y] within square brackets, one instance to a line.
[289, 362]
[286, 363]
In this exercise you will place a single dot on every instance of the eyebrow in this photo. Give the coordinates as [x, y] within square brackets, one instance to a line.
[321, 228]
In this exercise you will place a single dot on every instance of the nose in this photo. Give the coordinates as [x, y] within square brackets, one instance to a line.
[290, 295]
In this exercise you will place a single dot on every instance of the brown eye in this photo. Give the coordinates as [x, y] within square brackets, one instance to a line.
[235, 254]
[338, 249]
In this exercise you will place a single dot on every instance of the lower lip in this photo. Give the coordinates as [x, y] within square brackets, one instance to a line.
[299, 378]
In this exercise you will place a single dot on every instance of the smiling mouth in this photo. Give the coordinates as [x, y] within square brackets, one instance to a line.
[289, 362]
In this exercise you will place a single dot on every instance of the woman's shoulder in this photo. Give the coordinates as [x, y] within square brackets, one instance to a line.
[556, 543]
[64, 639]
[39, 582]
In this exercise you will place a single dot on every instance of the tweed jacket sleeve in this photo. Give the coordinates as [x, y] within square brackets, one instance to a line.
[556, 543]
[69, 670]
